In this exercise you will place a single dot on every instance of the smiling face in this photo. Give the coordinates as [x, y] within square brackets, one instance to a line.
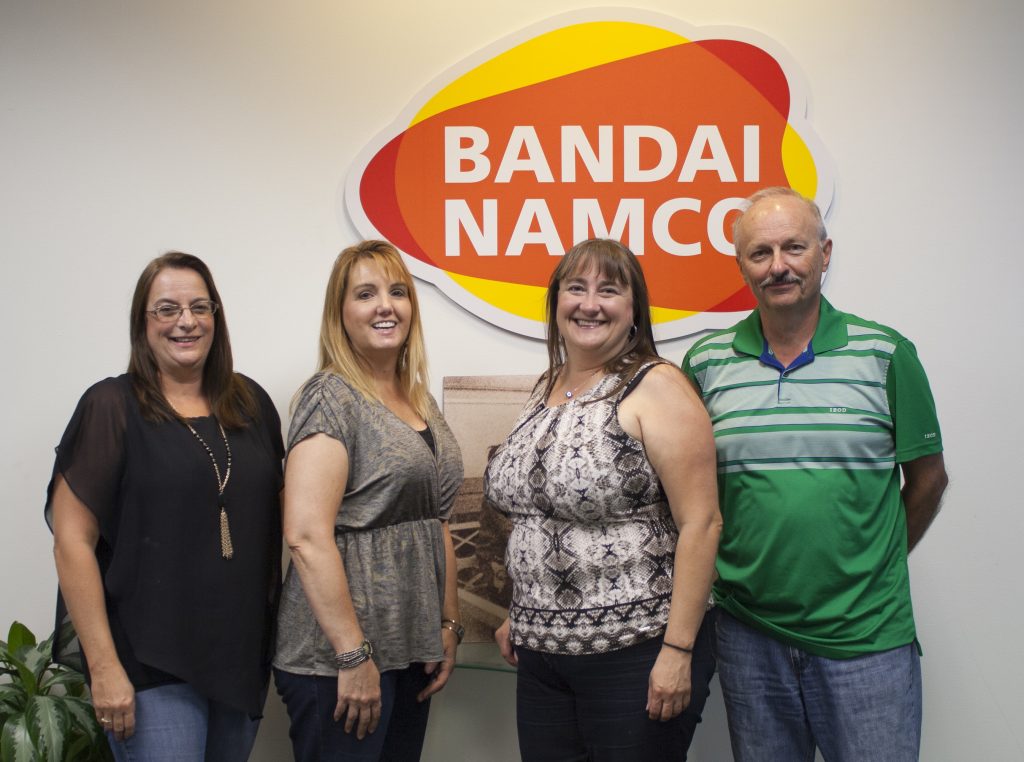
[780, 253]
[594, 313]
[179, 346]
[376, 312]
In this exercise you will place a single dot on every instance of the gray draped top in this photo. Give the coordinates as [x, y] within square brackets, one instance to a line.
[388, 530]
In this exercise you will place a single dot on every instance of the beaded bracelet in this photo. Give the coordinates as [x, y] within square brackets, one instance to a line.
[355, 657]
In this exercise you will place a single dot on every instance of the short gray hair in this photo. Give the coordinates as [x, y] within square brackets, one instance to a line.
[773, 192]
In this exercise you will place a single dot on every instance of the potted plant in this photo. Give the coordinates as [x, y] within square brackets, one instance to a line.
[44, 712]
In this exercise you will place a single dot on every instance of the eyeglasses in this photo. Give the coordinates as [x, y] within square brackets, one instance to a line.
[167, 313]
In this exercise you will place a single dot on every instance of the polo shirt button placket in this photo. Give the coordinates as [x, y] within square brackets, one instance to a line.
[782, 379]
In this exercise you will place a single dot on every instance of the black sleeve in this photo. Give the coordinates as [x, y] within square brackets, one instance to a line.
[91, 453]
[269, 423]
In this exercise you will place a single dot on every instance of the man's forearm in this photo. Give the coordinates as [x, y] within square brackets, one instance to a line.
[925, 481]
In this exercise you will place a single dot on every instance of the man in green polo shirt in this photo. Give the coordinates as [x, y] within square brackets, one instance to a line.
[817, 414]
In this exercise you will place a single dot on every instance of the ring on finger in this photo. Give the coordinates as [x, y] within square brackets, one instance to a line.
[105, 720]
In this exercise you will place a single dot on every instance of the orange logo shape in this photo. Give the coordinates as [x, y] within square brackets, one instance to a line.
[636, 128]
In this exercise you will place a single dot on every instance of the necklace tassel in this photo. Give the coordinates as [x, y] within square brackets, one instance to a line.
[227, 550]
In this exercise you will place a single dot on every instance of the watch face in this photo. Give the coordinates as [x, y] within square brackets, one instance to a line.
[458, 629]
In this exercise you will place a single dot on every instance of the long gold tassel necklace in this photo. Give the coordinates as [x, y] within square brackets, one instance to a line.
[227, 550]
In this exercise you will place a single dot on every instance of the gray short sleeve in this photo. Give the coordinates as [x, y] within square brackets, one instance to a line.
[321, 410]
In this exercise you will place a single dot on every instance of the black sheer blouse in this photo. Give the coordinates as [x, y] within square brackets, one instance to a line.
[179, 611]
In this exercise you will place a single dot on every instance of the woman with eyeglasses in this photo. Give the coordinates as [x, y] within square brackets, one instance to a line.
[165, 511]
[369, 618]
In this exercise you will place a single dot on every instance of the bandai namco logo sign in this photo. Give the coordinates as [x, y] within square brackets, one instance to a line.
[636, 128]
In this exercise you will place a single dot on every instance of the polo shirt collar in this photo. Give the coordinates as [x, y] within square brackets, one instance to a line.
[830, 333]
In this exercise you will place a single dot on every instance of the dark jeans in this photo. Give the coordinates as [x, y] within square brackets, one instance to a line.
[316, 737]
[593, 707]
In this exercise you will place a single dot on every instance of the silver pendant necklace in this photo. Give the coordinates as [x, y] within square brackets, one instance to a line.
[570, 393]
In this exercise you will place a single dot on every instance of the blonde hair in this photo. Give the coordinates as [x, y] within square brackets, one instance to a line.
[337, 354]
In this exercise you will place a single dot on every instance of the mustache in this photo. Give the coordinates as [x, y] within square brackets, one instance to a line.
[780, 280]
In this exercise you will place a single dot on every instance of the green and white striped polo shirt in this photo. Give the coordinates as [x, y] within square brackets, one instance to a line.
[814, 546]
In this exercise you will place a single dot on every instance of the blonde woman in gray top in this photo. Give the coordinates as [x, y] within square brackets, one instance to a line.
[369, 618]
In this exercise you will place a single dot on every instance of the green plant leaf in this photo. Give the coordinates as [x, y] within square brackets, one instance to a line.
[64, 646]
[83, 718]
[48, 723]
[16, 742]
[23, 675]
[67, 678]
[46, 646]
[37, 661]
[12, 701]
[86, 749]
[19, 637]
[45, 650]
[78, 691]
[79, 749]
[13, 692]
[43, 712]
[63, 637]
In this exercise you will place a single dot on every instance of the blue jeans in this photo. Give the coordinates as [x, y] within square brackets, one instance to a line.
[592, 706]
[311, 699]
[782, 702]
[174, 723]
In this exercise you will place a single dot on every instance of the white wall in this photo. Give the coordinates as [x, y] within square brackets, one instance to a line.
[226, 128]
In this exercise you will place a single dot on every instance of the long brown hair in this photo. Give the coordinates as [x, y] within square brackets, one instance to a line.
[230, 398]
[616, 262]
[336, 351]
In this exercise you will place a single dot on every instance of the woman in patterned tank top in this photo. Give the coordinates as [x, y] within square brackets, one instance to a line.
[609, 479]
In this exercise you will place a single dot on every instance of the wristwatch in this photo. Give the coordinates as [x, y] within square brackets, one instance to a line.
[458, 629]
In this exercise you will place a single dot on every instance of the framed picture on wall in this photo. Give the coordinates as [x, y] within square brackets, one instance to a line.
[480, 411]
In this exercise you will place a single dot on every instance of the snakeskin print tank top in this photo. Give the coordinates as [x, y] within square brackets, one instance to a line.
[593, 542]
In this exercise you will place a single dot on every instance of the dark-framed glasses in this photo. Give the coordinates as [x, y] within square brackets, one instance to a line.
[167, 313]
